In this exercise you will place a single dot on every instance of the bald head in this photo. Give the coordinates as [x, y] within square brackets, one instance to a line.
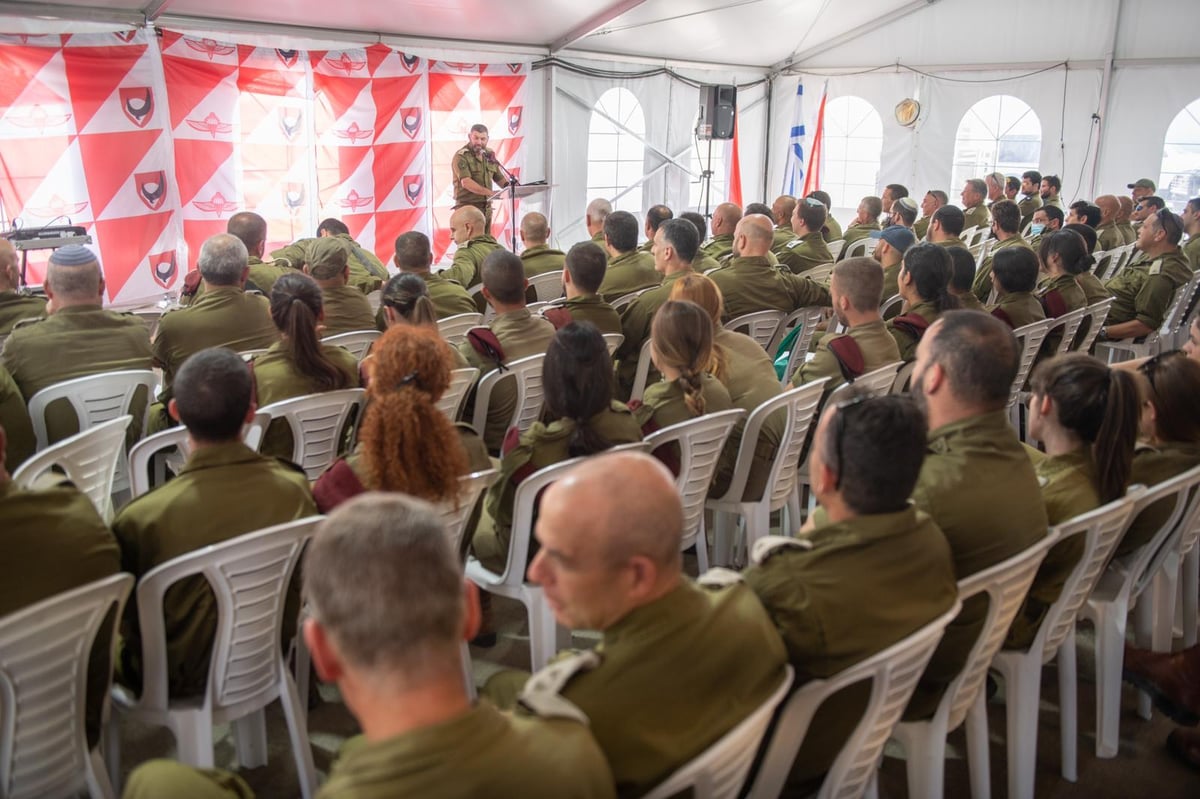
[758, 232]
[1126, 208]
[534, 229]
[10, 276]
[782, 209]
[251, 229]
[467, 222]
[1109, 207]
[725, 218]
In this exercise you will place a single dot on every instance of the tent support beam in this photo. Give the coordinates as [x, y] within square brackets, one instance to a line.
[155, 9]
[851, 35]
[592, 24]
[131, 17]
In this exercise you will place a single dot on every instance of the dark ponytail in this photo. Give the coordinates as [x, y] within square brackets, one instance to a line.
[1071, 250]
[577, 377]
[295, 308]
[931, 267]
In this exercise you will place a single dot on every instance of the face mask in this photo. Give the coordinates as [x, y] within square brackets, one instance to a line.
[1036, 229]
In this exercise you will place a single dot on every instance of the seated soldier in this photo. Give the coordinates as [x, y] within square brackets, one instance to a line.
[538, 256]
[933, 200]
[1047, 219]
[406, 301]
[79, 338]
[654, 219]
[1062, 256]
[14, 306]
[414, 256]
[781, 212]
[946, 226]
[701, 263]
[832, 231]
[14, 417]
[725, 218]
[866, 345]
[1144, 289]
[977, 482]
[585, 270]
[224, 490]
[389, 610]
[806, 249]
[872, 570]
[629, 269]
[345, 308]
[658, 691]
[866, 220]
[1014, 276]
[1094, 290]
[367, 272]
[225, 316]
[893, 242]
[750, 283]
[251, 229]
[475, 242]
[962, 278]
[513, 334]
[1006, 221]
[925, 287]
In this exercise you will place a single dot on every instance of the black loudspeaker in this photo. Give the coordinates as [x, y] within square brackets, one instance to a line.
[718, 105]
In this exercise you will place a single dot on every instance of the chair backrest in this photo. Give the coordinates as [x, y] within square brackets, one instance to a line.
[800, 405]
[1102, 529]
[44, 651]
[455, 396]
[893, 674]
[819, 274]
[375, 299]
[547, 286]
[625, 299]
[641, 374]
[454, 328]
[760, 326]
[1142, 564]
[700, 442]
[891, 306]
[1029, 339]
[457, 514]
[358, 342]
[527, 372]
[835, 247]
[1006, 585]
[877, 383]
[89, 458]
[1068, 324]
[95, 399]
[249, 576]
[1090, 324]
[317, 422]
[967, 234]
[524, 510]
[175, 446]
[720, 770]
[1106, 260]
[903, 376]
[1177, 312]
[807, 319]
[614, 342]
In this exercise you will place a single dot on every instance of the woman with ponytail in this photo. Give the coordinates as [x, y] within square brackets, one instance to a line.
[405, 302]
[1063, 256]
[298, 364]
[578, 379]
[924, 283]
[405, 443]
[1086, 416]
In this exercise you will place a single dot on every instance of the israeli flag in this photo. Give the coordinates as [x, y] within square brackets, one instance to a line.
[793, 173]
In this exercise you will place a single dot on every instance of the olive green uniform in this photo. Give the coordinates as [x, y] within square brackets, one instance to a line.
[540, 446]
[718, 246]
[346, 309]
[921, 227]
[276, 378]
[1068, 490]
[1017, 309]
[635, 326]
[969, 302]
[1108, 237]
[831, 230]
[1028, 205]
[954, 241]
[448, 296]
[14, 307]
[906, 338]
[466, 164]
[664, 403]
[749, 284]
[782, 235]
[800, 254]
[1191, 248]
[876, 344]
[627, 273]
[1056, 202]
[540, 259]
[224, 490]
[843, 593]
[980, 488]
[891, 284]
[977, 217]
[55, 541]
[1151, 466]
[466, 268]
[1059, 295]
[261, 278]
[673, 676]
[751, 380]
[855, 232]
[226, 316]
[520, 334]
[1144, 289]
[14, 418]
[982, 285]
[703, 263]
[1127, 232]
[367, 272]
[1093, 289]
[590, 308]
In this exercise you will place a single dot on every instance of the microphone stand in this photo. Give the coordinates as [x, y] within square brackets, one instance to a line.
[512, 197]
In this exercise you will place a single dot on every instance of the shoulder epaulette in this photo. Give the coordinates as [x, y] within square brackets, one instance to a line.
[1003, 316]
[542, 692]
[29, 320]
[765, 548]
[1053, 303]
[191, 283]
[484, 342]
[911, 323]
[559, 317]
[849, 356]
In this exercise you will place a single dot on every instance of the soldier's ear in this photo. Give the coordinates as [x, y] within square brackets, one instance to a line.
[324, 656]
[173, 409]
[473, 614]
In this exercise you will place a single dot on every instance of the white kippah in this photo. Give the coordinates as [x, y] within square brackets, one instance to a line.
[72, 255]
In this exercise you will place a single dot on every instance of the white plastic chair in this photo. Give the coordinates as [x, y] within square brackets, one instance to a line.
[456, 515]
[819, 274]
[1022, 670]
[44, 652]
[547, 286]
[358, 342]
[893, 674]
[891, 306]
[375, 299]
[641, 374]
[620, 302]
[317, 422]
[527, 372]
[1152, 344]
[174, 448]
[862, 247]
[89, 458]
[1006, 584]
[700, 442]
[720, 770]
[800, 406]
[613, 341]
[967, 234]
[1106, 261]
[455, 397]
[95, 399]
[807, 318]
[835, 247]
[903, 378]
[760, 326]
[249, 576]
[1029, 339]
[1068, 324]
[454, 328]
[1119, 588]
[1089, 326]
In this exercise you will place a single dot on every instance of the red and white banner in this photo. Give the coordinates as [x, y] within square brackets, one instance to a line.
[153, 144]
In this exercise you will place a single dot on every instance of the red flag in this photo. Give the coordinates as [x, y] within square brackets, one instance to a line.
[812, 178]
[735, 169]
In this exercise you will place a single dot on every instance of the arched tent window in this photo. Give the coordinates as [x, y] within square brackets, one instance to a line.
[1179, 180]
[616, 154]
[699, 163]
[998, 134]
[853, 146]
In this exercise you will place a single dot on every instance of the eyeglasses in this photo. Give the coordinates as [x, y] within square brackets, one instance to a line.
[840, 431]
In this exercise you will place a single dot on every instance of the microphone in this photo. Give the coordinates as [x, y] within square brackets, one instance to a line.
[489, 156]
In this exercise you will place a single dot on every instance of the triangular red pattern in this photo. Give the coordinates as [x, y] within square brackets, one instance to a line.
[496, 92]
[24, 165]
[376, 54]
[506, 150]
[169, 38]
[446, 90]
[389, 95]
[124, 244]
[196, 161]
[109, 159]
[275, 82]
[341, 93]
[21, 67]
[389, 225]
[189, 81]
[349, 160]
[391, 165]
[195, 233]
[94, 73]
[356, 223]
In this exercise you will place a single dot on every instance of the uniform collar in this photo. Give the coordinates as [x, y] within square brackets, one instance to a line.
[218, 455]
[625, 257]
[509, 318]
[583, 299]
[72, 310]
[862, 529]
[987, 425]
[654, 621]
[750, 261]
[485, 238]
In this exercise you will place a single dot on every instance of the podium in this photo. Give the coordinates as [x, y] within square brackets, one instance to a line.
[511, 193]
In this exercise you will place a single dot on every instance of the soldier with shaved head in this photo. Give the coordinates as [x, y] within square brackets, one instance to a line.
[724, 221]
[475, 242]
[538, 256]
[781, 212]
[1123, 223]
[751, 283]
[1108, 236]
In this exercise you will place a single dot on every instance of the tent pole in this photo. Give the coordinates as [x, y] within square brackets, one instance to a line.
[766, 158]
[1105, 85]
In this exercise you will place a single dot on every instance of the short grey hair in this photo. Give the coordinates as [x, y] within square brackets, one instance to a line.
[223, 259]
[74, 281]
[382, 579]
[598, 210]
